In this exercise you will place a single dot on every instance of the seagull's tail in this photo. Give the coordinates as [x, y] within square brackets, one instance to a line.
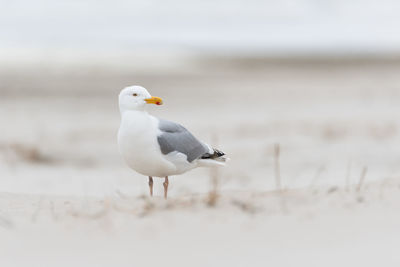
[215, 158]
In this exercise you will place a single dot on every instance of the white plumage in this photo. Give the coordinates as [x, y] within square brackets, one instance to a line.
[155, 147]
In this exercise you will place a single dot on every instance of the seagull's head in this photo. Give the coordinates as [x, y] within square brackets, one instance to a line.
[135, 98]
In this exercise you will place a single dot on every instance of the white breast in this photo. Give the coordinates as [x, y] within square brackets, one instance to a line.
[137, 141]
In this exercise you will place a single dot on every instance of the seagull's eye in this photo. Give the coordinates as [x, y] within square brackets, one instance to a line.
[134, 94]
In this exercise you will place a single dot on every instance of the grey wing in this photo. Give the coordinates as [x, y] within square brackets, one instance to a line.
[175, 137]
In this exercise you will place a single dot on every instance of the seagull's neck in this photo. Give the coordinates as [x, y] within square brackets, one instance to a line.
[134, 115]
[136, 121]
[133, 111]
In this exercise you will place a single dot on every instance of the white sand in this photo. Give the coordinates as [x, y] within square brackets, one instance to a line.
[301, 228]
[68, 199]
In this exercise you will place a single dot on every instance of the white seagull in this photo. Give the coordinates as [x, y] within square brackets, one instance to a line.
[156, 147]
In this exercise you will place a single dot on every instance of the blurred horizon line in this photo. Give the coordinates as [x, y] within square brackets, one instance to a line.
[160, 59]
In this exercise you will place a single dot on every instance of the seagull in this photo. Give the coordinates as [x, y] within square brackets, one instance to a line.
[155, 147]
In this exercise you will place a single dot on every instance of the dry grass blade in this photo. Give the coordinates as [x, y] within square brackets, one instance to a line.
[317, 175]
[213, 194]
[348, 175]
[277, 170]
[38, 209]
[214, 173]
[362, 178]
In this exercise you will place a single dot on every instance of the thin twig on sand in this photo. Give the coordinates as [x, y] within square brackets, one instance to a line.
[317, 175]
[213, 194]
[38, 209]
[277, 171]
[362, 178]
[278, 180]
[348, 175]
[214, 173]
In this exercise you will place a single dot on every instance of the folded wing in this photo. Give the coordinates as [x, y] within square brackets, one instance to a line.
[175, 137]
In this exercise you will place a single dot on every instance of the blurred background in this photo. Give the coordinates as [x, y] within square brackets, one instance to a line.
[320, 78]
[317, 78]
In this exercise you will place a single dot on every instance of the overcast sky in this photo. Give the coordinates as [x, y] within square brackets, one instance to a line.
[216, 25]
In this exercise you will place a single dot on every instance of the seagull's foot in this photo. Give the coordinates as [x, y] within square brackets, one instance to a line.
[166, 182]
[151, 185]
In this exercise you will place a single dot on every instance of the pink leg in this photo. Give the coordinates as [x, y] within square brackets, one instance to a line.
[166, 182]
[151, 185]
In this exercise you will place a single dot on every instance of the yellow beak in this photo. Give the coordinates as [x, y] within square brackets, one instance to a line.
[154, 100]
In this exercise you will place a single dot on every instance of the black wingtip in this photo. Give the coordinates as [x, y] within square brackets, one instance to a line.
[217, 153]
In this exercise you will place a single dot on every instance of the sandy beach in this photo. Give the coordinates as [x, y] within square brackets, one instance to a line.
[67, 198]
